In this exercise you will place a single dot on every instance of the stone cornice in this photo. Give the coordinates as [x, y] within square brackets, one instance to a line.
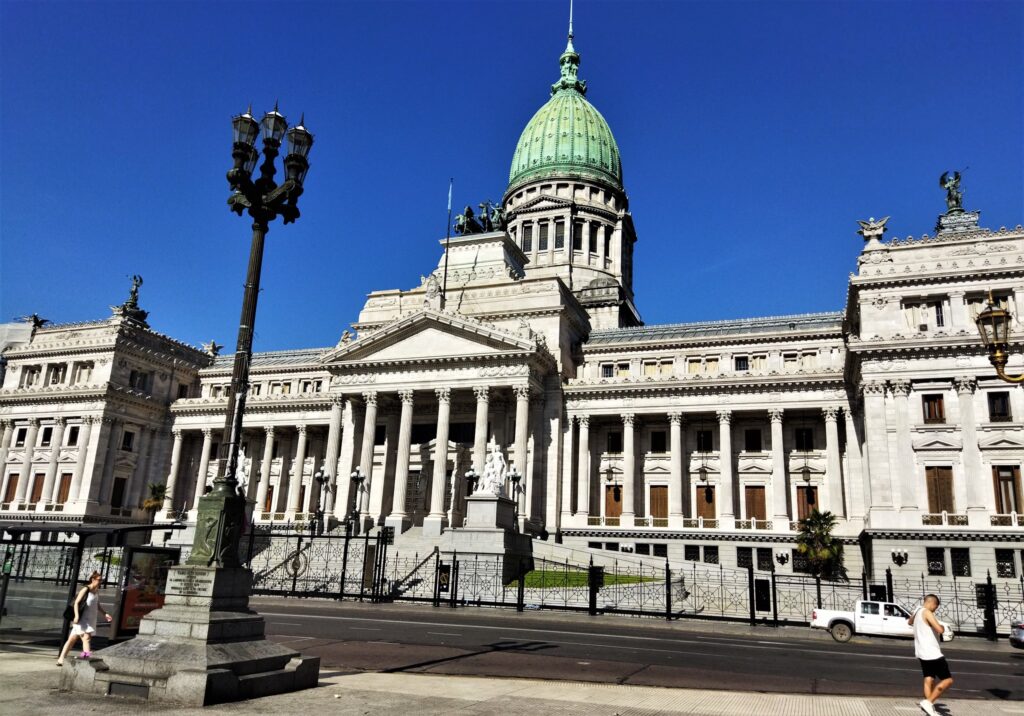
[255, 404]
[620, 387]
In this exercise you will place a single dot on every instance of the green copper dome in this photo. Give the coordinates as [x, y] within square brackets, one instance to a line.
[567, 136]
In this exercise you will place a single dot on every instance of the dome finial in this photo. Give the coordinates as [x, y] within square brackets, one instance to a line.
[570, 65]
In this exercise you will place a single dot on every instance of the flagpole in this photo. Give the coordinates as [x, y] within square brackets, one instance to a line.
[447, 237]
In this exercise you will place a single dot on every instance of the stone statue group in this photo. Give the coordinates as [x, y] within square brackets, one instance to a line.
[492, 482]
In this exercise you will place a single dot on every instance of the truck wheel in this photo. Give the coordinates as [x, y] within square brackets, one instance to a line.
[841, 632]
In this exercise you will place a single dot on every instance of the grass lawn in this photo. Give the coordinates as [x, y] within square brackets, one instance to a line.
[552, 579]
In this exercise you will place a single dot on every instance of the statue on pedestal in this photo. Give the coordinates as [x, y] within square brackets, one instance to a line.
[954, 197]
[492, 482]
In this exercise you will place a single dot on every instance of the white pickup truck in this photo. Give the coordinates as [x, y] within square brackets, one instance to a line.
[873, 618]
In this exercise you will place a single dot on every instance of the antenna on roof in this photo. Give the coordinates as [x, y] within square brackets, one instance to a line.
[570, 19]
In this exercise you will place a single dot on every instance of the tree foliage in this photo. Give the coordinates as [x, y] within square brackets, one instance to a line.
[822, 550]
[157, 495]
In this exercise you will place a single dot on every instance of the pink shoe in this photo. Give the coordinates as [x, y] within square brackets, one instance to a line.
[85, 655]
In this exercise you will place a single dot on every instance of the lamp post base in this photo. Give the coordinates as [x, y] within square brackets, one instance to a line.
[204, 646]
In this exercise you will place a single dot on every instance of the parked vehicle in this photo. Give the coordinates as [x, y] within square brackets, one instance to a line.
[871, 618]
[1017, 634]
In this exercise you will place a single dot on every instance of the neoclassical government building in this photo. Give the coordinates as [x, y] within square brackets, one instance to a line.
[693, 441]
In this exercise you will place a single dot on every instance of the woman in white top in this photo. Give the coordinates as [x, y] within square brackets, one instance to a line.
[86, 607]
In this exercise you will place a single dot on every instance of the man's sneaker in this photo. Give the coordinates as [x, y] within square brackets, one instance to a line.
[927, 707]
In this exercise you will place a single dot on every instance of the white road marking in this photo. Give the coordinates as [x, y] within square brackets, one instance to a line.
[365, 629]
[276, 623]
[442, 633]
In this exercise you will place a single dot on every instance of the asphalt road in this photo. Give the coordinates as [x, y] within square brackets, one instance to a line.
[550, 645]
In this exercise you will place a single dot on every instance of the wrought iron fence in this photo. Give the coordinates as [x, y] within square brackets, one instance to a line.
[969, 605]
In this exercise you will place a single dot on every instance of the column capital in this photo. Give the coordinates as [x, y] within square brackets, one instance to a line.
[831, 413]
[584, 420]
[628, 419]
[301, 429]
[33, 422]
[6, 424]
[676, 418]
[60, 421]
[522, 392]
[176, 432]
[873, 387]
[482, 393]
[776, 414]
[966, 385]
[370, 398]
[724, 417]
[444, 395]
[338, 399]
[900, 388]
[406, 396]
[269, 430]
[207, 433]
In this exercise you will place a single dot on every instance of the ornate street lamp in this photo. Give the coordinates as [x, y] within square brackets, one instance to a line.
[221, 513]
[899, 557]
[472, 479]
[323, 480]
[358, 478]
[782, 558]
[514, 477]
[994, 327]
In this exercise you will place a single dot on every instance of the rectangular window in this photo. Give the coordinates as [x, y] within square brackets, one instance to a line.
[577, 236]
[622, 370]
[940, 319]
[790, 362]
[216, 391]
[660, 550]
[801, 566]
[934, 409]
[711, 366]
[758, 363]
[1008, 494]
[255, 389]
[542, 237]
[960, 559]
[527, 238]
[275, 450]
[744, 557]
[691, 553]
[614, 441]
[711, 554]
[764, 559]
[55, 374]
[704, 441]
[650, 367]
[741, 364]
[117, 493]
[138, 380]
[869, 608]
[608, 253]
[608, 370]
[936, 559]
[182, 391]
[641, 548]
[592, 243]
[20, 437]
[127, 441]
[939, 481]
[754, 502]
[693, 366]
[380, 434]
[30, 376]
[1005, 566]
[81, 372]
[12, 487]
[752, 440]
[47, 437]
[72, 439]
[806, 501]
[804, 439]
[659, 441]
[64, 490]
[999, 407]
[37, 488]
[809, 361]
[559, 235]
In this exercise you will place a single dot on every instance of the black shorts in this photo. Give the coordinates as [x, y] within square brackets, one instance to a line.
[937, 669]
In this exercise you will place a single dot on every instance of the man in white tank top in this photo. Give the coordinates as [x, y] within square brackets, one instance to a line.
[927, 632]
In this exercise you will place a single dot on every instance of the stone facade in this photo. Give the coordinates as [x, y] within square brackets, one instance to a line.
[703, 441]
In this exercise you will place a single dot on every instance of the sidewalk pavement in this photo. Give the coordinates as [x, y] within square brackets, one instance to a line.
[28, 680]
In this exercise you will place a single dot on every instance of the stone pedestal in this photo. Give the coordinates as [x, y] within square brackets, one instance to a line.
[204, 646]
[957, 220]
[490, 531]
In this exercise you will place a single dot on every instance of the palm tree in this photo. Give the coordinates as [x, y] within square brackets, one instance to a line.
[157, 495]
[822, 550]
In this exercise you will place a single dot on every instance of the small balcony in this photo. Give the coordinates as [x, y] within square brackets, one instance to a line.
[1011, 520]
[753, 524]
[699, 524]
[598, 521]
[943, 519]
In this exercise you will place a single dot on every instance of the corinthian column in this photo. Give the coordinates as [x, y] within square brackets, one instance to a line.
[904, 447]
[83, 453]
[976, 507]
[398, 518]
[567, 506]
[331, 453]
[780, 491]
[265, 467]
[204, 466]
[726, 518]
[876, 442]
[26, 463]
[433, 523]
[172, 477]
[366, 455]
[522, 432]
[298, 467]
[833, 474]
[628, 471]
[583, 490]
[482, 394]
[675, 485]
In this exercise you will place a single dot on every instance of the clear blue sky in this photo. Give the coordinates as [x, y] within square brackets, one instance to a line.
[753, 136]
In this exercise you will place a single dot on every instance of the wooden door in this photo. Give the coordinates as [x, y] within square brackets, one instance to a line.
[706, 502]
[806, 501]
[1008, 491]
[940, 489]
[612, 500]
[65, 488]
[268, 503]
[12, 487]
[754, 498]
[37, 488]
[659, 501]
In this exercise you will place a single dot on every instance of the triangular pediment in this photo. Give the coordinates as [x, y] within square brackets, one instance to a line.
[937, 443]
[432, 335]
[657, 470]
[1001, 440]
[543, 202]
[752, 467]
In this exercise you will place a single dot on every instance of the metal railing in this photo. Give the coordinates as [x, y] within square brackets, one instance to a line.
[944, 518]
